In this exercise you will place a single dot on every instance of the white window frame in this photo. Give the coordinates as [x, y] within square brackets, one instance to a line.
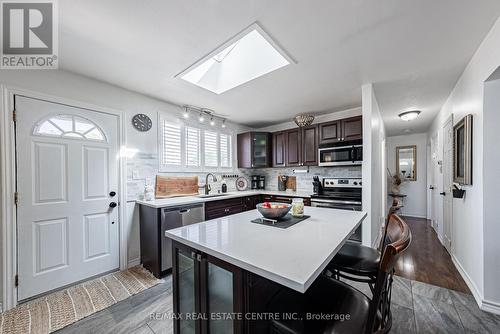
[202, 127]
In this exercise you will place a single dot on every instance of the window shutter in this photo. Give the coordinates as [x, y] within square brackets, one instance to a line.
[171, 144]
[225, 151]
[192, 147]
[210, 149]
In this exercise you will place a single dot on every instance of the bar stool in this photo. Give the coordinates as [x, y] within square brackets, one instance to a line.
[336, 299]
[360, 263]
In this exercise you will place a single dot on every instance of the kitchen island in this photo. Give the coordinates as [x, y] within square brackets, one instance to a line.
[226, 270]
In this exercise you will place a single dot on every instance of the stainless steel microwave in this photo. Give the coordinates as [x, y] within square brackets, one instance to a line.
[346, 154]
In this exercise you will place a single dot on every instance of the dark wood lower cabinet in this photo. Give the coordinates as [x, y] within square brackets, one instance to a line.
[213, 296]
[283, 199]
[226, 207]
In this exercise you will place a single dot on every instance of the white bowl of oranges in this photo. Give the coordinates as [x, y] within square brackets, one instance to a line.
[273, 210]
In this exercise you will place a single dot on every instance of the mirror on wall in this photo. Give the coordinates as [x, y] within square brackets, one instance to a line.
[462, 151]
[406, 162]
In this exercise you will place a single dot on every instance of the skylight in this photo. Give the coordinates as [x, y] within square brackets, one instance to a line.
[247, 56]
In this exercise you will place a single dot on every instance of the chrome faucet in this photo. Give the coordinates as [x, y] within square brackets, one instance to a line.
[207, 185]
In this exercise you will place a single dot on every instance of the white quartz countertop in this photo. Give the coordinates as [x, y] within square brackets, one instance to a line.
[184, 200]
[293, 257]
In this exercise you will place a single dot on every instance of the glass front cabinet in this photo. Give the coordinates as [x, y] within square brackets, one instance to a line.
[207, 292]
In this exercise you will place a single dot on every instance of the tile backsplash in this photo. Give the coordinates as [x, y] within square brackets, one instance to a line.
[304, 180]
[143, 168]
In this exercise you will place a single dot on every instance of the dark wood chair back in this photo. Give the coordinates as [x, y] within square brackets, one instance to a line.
[383, 240]
[399, 235]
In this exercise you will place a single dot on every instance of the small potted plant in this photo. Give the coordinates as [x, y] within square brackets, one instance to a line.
[396, 182]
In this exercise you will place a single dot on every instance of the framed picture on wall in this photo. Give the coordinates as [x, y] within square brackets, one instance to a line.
[462, 151]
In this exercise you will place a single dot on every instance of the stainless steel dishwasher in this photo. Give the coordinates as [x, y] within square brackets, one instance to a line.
[174, 217]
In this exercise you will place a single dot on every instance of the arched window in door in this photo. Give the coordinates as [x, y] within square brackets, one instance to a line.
[69, 126]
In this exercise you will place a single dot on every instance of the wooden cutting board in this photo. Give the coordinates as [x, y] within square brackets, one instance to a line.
[291, 183]
[170, 186]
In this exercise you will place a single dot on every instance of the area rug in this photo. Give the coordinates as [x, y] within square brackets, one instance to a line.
[54, 311]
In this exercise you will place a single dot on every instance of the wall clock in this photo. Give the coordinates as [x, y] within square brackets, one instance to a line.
[142, 122]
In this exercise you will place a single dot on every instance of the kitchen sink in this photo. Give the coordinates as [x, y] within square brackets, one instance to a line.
[211, 195]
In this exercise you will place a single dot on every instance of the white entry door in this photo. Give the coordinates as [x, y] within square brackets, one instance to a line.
[447, 183]
[67, 181]
[434, 190]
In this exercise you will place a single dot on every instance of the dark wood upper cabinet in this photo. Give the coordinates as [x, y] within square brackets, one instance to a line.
[341, 130]
[330, 132]
[294, 147]
[279, 147]
[310, 145]
[352, 128]
[254, 150]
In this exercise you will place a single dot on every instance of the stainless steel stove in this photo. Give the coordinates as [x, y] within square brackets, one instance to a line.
[340, 193]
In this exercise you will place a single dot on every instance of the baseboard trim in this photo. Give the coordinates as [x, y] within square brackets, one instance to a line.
[472, 286]
[440, 240]
[410, 215]
[134, 262]
[490, 306]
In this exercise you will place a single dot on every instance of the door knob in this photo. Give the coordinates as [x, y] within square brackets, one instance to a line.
[112, 193]
[112, 205]
[443, 193]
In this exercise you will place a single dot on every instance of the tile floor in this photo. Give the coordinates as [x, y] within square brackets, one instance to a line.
[416, 307]
[423, 308]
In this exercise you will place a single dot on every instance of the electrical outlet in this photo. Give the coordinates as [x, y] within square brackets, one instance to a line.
[136, 175]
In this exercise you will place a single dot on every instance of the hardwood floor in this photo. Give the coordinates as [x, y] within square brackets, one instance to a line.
[426, 260]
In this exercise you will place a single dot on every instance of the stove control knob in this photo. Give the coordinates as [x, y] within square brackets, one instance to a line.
[355, 183]
[360, 183]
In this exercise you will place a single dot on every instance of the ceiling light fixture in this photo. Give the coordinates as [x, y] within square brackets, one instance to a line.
[203, 114]
[303, 120]
[409, 115]
[185, 114]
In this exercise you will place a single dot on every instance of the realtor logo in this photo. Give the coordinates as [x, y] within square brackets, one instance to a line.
[29, 34]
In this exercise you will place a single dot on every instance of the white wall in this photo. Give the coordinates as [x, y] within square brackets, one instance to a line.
[74, 87]
[415, 204]
[373, 168]
[468, 245]
[491, 197]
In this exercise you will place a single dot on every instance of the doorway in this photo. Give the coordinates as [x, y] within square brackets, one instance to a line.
[448, 184]
[67, 188]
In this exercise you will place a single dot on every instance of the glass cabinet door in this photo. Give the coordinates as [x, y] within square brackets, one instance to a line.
[224, 296]
[260, 150]
[220, 299]
[186, 291]
[207, 293]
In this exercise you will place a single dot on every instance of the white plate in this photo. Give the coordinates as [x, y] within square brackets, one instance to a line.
[241, 183]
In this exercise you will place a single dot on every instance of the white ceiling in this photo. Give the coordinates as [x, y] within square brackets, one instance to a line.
[412, 50]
